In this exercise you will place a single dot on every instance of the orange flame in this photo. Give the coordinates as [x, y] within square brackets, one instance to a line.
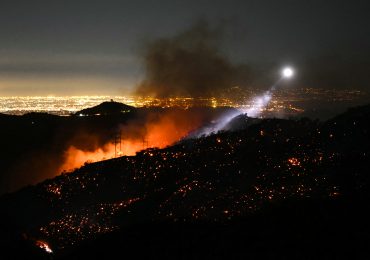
[166, 130]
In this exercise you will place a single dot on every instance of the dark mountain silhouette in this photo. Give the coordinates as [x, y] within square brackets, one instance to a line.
[107, 108]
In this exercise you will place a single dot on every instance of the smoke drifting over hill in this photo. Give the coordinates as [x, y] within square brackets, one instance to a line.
[190, 63]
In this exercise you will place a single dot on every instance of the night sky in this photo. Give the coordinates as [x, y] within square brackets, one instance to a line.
[95, 47]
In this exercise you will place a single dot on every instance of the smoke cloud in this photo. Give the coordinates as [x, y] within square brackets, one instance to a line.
[188, 64]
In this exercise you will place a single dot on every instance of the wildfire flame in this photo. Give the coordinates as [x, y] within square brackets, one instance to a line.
[166, 130]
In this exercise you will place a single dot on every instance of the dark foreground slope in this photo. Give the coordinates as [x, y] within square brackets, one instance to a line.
[279, 188]
[308, 229]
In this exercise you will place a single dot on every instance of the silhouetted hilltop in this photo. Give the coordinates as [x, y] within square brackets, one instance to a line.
[277, 188]
[240, 122]
[106, 108]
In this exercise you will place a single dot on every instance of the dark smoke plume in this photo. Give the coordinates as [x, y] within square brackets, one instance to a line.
[189, 63]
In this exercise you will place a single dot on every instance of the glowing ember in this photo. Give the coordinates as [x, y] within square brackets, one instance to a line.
[44, 245]
[294, 161]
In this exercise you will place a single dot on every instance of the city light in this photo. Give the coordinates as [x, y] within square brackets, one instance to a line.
[284, 100]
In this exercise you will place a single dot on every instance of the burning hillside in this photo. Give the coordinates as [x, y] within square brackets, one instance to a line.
[215, 180]
[155, 129]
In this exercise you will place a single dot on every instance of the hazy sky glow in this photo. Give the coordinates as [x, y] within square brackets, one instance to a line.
[82, 47]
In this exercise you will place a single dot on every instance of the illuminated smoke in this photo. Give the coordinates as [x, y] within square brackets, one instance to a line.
[258, 104]
[217, 125]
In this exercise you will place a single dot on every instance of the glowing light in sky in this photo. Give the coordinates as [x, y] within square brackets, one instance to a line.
[287, 72]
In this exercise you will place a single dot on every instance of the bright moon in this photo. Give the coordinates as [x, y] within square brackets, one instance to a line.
[288, 72]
